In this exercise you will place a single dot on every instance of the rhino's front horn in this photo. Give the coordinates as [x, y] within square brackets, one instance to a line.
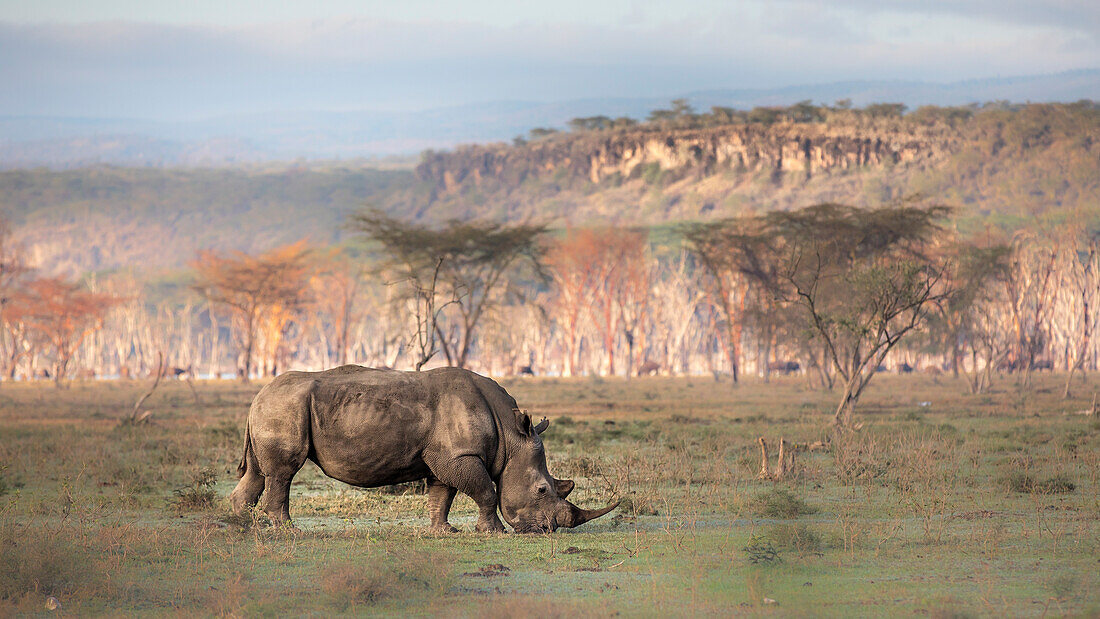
[578, 516]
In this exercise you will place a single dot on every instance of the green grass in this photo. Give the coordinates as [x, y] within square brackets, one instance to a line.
[979, 505]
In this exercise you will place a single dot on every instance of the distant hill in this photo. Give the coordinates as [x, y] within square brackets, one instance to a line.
[1004, 166]
[999, 164]
[230, 140]
[95, 219]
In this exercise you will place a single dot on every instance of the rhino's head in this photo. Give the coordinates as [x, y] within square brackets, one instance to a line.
[531, 500]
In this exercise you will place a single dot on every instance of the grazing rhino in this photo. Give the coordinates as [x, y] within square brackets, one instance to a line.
[369, 427]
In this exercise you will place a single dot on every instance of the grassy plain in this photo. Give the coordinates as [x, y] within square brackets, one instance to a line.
[942, 504]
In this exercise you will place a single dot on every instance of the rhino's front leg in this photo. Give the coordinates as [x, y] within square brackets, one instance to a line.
[468, 474]
[440, 497]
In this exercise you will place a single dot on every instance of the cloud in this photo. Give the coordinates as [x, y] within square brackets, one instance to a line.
[1077, 15]
[164, 70]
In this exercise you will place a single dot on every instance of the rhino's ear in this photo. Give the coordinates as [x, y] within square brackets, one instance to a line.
[542, 425]
[563, 487]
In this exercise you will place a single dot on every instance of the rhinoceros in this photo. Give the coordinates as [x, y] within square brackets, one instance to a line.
[369, 427]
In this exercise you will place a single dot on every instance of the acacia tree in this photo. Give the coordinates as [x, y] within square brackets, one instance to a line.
[472, 265]
[604, 273]
[265, 291]
[62, 314]
[862, 279]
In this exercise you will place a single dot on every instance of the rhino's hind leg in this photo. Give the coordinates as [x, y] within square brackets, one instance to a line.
[277, 499]
[247, 493]
[440, 497]
[468, 474]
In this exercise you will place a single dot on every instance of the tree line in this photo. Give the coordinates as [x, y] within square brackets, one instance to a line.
[680, 114]
[831, 292]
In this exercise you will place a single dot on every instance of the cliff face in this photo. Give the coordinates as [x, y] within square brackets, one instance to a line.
[808, 149]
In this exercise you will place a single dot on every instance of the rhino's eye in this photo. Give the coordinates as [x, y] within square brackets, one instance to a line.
[542, 489]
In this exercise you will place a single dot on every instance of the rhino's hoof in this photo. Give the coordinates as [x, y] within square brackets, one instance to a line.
[286, 527]
[442, 528]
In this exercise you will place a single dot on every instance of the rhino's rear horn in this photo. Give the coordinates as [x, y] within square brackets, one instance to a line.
[580, 516]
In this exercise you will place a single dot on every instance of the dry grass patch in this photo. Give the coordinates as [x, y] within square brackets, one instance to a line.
[388, 576]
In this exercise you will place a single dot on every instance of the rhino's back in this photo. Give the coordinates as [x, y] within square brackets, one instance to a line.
[371, 427]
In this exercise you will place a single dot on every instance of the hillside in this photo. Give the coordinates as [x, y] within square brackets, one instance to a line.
[1001, 165]
[108, 218]
[1001, 162]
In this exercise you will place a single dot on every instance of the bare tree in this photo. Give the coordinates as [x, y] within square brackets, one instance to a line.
[1029, 290]
[733, 254]
[1075, 303]
[13, 269]
[337, 288]
[965, 318]
[572, 264]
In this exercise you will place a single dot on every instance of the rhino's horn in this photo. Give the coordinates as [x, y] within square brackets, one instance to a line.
[542, 425]
[581, 516]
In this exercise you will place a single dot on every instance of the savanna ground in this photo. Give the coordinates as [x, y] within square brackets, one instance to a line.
[943, 504]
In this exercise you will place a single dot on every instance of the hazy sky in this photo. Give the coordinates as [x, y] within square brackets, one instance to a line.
[196, 58]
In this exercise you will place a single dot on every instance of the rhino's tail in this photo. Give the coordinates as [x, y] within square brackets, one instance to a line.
[247, 455]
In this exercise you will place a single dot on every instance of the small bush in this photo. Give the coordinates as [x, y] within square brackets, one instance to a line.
[780, 503]
[760, 551]
[796, 537]
[1023, 483]
[200, 493]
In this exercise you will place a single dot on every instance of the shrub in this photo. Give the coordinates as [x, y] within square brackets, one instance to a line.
[797, 537]
[200, 493]
[761, 551]
[1022, 482]
[780, 503]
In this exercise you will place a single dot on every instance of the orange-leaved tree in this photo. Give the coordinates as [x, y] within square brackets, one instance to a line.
[602, 273]
[263, 295]
[62, 314]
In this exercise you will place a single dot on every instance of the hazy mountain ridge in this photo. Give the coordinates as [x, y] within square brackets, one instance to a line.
[228, 140]
[1000, 166]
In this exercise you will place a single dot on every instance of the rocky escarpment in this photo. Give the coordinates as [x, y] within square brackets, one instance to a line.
[802, 148]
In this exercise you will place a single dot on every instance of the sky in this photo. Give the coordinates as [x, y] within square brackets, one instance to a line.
[200, 58]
